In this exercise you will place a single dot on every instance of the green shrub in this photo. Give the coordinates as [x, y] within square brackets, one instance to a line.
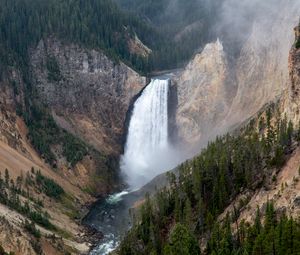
[44, 132]
[30, 227]
[54, 74]
[13, 201]
[73, 149]
[2, 251]
[40, 219]
[36, 245]
[297, 44]
[49, 186]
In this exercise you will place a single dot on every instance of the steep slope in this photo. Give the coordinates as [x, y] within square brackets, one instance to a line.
[17, 157]
[283, 189]
[262, 68]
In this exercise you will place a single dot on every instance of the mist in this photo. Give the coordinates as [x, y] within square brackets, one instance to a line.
[238, 18]
[257, 37]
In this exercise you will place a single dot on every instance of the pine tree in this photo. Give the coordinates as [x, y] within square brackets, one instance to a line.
[270, 220]
[7, 178]
[183, 242]
[188, 221]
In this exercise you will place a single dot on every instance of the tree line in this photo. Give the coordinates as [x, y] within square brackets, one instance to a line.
[97, 24]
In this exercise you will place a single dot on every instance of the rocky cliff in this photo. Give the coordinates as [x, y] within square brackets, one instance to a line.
[204, 92]
[90, 95]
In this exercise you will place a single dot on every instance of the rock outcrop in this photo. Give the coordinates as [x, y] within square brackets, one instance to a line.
[203, 92]
[89, 94]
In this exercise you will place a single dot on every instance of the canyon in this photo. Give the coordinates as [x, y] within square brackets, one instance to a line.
[92, 97]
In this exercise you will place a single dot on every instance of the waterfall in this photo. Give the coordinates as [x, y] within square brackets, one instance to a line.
[147, 153]
[147, 147]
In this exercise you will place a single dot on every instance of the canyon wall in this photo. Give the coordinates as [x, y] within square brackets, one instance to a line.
[88, 95]
[218, 91]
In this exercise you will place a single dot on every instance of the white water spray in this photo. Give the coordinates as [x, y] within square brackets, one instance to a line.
[147, 148]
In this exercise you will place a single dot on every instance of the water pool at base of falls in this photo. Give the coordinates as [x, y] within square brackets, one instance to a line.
[111, 217]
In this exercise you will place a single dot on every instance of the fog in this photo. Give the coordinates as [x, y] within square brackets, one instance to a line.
[238, 18]
[231, 20]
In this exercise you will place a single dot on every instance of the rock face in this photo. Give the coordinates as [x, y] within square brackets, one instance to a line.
[292, 98]
[88, 93]
[11, 126]
[215, 96]
[8, 130]
[203, 92]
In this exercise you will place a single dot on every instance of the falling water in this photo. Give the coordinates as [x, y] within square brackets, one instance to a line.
[147, 141]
